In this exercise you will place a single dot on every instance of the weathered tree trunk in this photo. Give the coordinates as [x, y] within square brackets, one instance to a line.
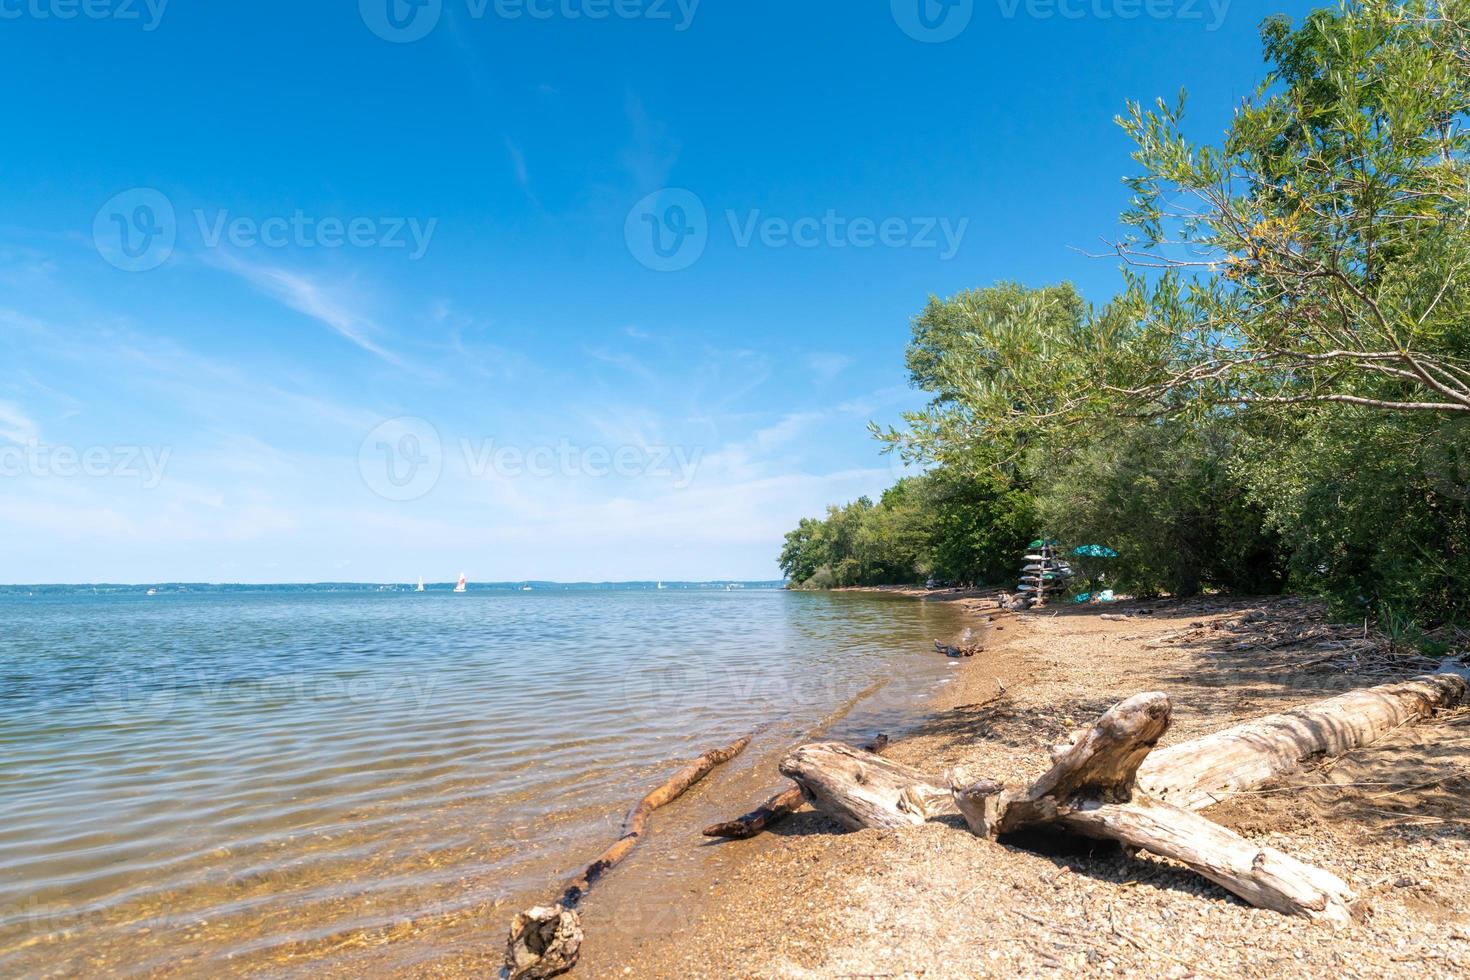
[1090, 789]
[1196, 774]
[1100, 765]
[774, 810]
[546, 940]
[860, 789]
[1263, 876]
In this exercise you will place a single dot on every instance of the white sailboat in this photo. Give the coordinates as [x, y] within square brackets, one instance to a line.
[462, 585]
[660, 585]
[421, 584]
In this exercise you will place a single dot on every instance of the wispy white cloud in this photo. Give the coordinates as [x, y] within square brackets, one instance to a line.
[621, 359]
[15, 425]
[825, 366]
[651, 157]
[519, 169]
[312, 298]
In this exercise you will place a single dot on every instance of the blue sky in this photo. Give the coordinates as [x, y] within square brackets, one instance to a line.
[290, 293]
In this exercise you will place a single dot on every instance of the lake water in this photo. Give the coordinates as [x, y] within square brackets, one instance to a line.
[200, 784]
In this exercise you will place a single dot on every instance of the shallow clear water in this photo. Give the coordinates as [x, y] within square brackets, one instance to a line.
[242, 782]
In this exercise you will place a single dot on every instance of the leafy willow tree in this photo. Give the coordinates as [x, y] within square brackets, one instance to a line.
[1319, 254]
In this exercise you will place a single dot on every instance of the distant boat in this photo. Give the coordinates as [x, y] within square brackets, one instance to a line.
[525, 588]
[421, 584]
[660, 585]
[462, 586]
[150, 591]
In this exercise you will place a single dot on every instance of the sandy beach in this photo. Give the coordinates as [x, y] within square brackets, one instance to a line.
[811, 900]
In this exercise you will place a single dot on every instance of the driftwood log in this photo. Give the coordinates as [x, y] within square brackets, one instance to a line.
[860, 789]
[546, 940]
[1263, 876]
[1090, 790]
[757, 821]
[1107, 784]
[1204, 771]
[775, 809]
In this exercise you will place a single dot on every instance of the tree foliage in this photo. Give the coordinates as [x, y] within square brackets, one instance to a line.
[961, 529]
[1280, 392]
[1318, 254]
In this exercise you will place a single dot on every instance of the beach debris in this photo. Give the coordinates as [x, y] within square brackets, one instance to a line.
[1107, 782]
[1090, 789]
[965, 646]
[861, 789]
[956, 652]
[1017, 603]
[757, 821]
[1205, 771]
[775, 809]
[545, 941]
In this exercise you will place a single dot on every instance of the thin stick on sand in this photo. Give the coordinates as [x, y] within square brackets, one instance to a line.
[545, 941]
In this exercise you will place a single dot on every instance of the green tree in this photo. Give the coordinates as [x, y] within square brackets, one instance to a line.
[1318, 254]
[1170, 500]
[979, 526]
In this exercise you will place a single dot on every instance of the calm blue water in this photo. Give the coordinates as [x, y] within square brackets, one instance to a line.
[205, 783]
